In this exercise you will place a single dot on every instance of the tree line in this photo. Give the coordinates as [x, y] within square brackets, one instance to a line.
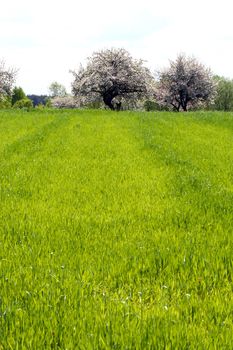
[113, 79]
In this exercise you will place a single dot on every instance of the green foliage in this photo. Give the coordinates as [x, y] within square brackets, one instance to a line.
[5, 102]
[40, 106]
[24, 103]
[116, 230]
[224, 96]
[17, 95]
[48, 103]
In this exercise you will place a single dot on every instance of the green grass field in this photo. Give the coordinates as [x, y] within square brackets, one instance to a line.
[116, 230]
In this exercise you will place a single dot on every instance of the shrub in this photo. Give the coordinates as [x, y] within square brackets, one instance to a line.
[25, 103]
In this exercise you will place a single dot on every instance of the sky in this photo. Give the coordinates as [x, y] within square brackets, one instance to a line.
[45, 39]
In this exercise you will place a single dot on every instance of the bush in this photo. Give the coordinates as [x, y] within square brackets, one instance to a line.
[25, 103]
[48, 103]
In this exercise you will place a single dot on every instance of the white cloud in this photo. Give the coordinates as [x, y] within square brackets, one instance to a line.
[45, 39]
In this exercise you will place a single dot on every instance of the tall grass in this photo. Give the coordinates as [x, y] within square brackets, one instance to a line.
[116, 230]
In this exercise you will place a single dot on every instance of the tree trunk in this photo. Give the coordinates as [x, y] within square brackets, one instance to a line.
[108, 101]
[184, 99]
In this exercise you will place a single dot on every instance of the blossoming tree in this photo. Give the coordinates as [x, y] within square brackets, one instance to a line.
[186, 83]
[112, 75]
[7, 79]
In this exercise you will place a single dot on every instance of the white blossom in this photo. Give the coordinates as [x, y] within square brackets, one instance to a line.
[64, 102]
[7, 79]
[114, 76]
[186, 83]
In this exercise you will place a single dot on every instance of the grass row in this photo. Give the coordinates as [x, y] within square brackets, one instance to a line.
[116, 230]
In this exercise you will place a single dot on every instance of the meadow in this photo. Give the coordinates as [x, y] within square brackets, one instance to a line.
[116, 230]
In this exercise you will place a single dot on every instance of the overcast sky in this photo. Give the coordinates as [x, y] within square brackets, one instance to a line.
[47, 38]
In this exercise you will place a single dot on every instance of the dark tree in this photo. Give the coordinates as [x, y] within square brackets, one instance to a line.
[38, 99]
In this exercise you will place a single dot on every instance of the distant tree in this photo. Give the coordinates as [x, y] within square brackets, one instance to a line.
[38, 99]
[17, 95]
[224, 94]
[7, 79]
[185, 84]
[113, 75]
[57, 90]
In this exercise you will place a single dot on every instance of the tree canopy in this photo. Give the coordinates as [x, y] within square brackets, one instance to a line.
[17, 95]
[57, 90]
[112, 75]
[224, 94]
[184, 84]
